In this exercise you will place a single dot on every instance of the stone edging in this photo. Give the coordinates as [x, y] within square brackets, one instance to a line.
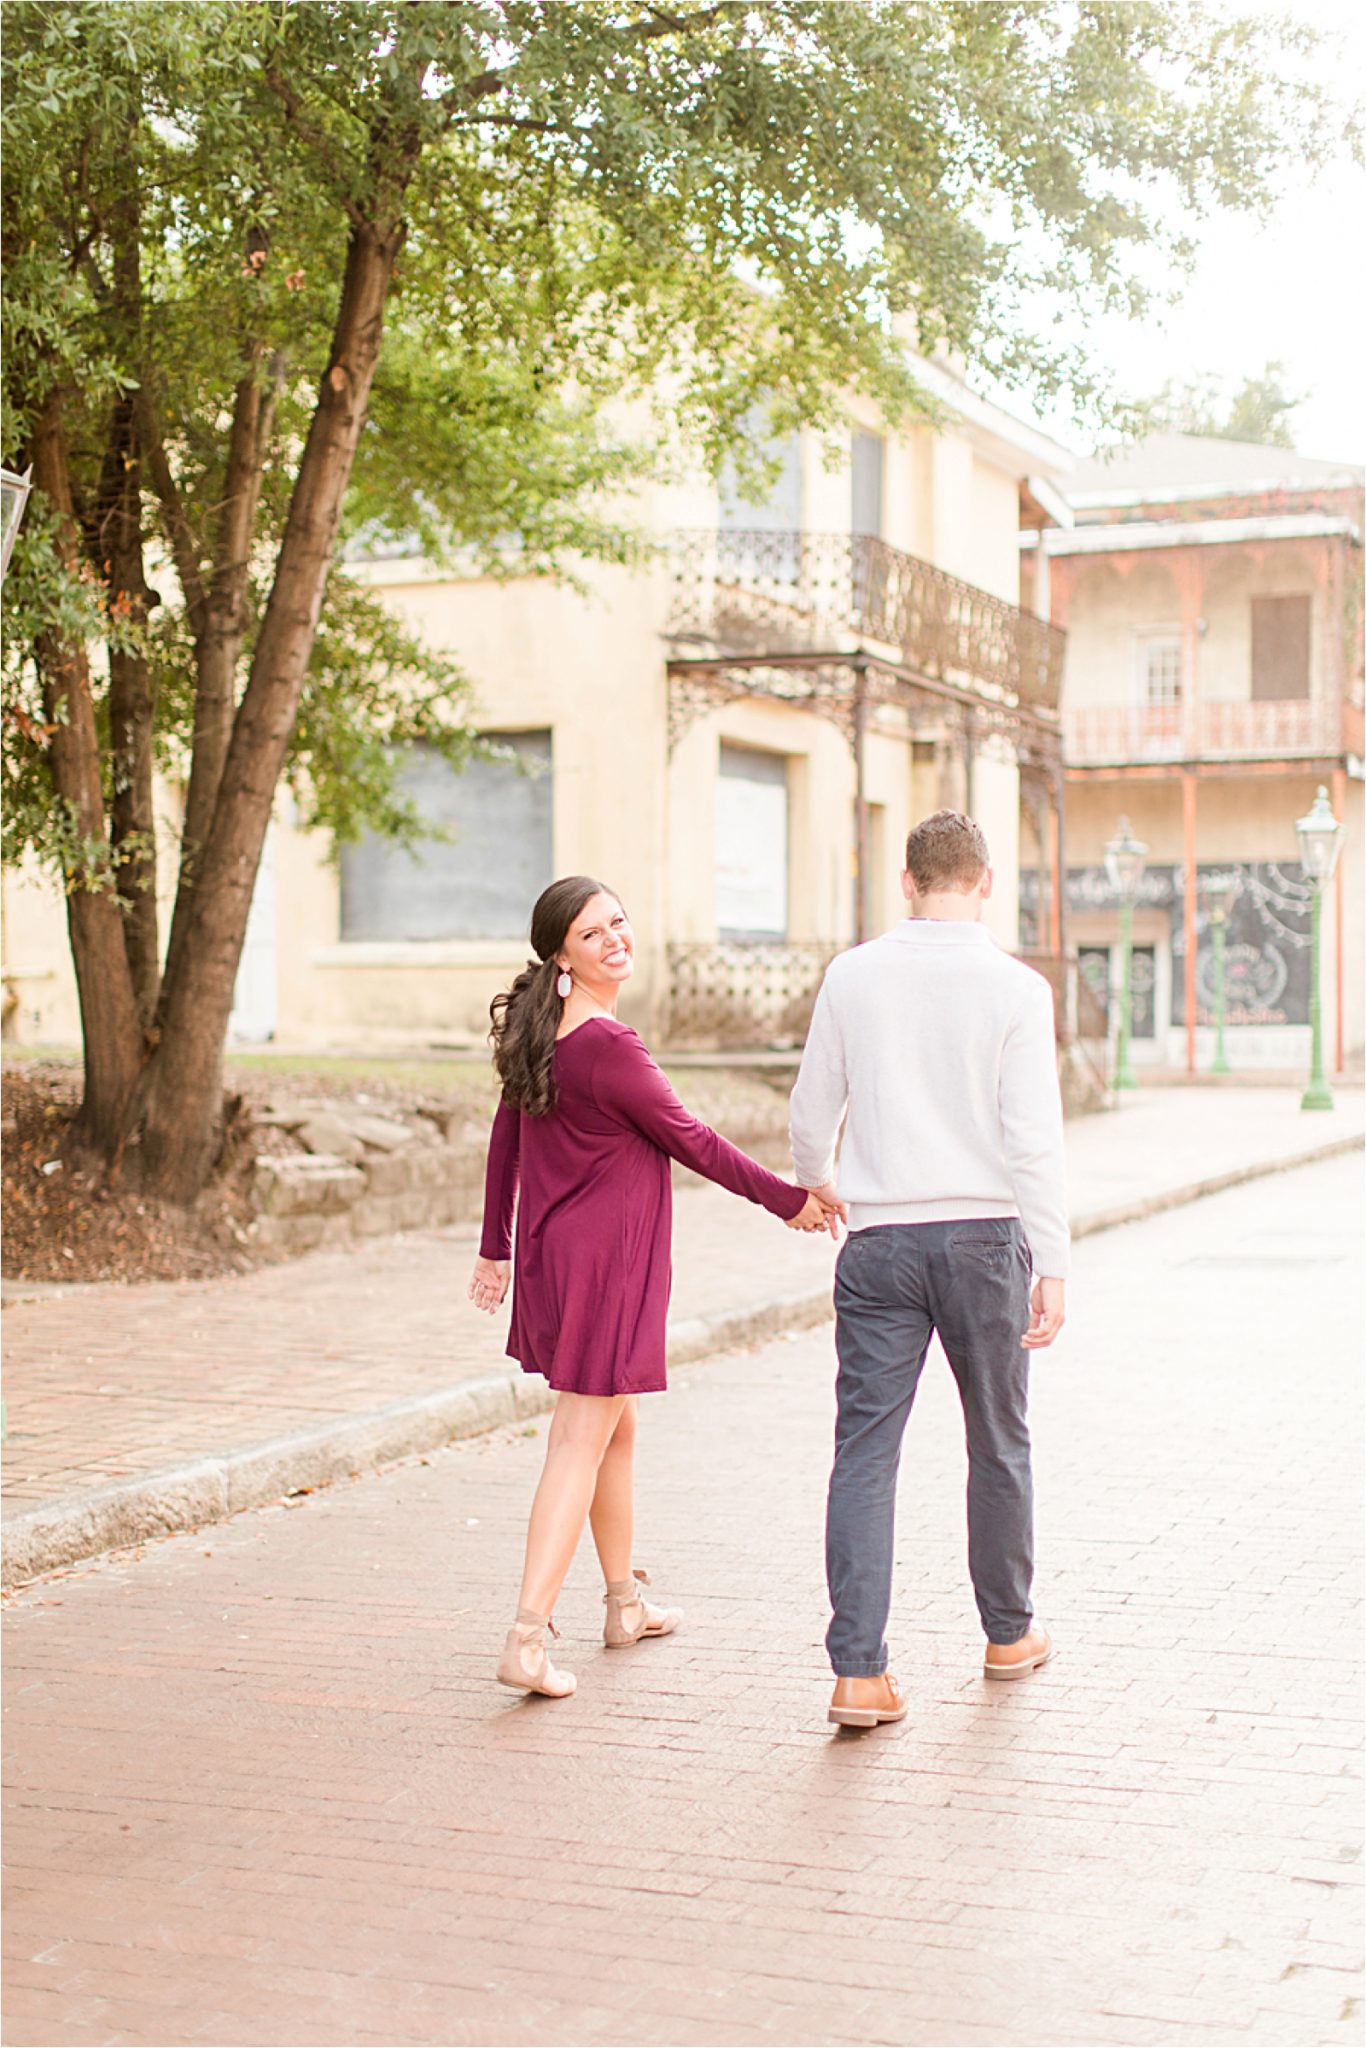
[40, 1539]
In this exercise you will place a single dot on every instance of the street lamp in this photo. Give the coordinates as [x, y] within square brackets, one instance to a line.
[1220, 891]
[1124, 858]
[1320, 836]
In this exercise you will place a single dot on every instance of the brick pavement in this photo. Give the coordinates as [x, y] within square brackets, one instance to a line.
[105, 1383]
[263, 1789]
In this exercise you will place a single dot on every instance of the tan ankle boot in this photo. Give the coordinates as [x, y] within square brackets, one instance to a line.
[525, 1663]
[630, 1616]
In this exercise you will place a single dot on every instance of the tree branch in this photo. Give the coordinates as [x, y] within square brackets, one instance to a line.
[506, 121]
[316, 141]
[178, 529]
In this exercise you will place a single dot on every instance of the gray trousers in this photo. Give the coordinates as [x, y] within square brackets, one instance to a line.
[895, 1286]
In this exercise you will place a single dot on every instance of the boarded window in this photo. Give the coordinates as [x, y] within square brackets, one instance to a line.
[482, 882]
[751, 845]
[865, 457]
[1280, 647]
[781, 510]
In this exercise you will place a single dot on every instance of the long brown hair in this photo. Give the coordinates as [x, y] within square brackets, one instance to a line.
[527, 1017]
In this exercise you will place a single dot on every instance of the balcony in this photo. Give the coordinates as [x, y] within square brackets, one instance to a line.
[784, 593]
[1124, 735]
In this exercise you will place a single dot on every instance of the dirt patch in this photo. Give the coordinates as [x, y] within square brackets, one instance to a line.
[61, 1224]
[64, 1225]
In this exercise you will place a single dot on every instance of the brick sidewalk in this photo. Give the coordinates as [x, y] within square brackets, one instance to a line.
[265, 1791]
[106, 1383]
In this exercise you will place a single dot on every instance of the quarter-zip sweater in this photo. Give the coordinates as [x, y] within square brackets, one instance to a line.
[941, 1048]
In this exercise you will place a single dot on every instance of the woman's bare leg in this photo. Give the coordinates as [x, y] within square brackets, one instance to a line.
[612, 1513]
[580, 1431]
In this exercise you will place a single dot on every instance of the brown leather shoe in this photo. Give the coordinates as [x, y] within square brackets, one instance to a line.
[864, 1702]
[1017, 1660]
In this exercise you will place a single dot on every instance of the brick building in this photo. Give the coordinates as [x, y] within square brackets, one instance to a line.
[1211, 595]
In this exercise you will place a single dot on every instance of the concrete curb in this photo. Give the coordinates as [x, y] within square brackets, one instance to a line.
[187, 1496]
[1196, 1190]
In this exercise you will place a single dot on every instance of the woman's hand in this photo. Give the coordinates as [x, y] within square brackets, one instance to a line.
[819, 1213]
[490, 1282]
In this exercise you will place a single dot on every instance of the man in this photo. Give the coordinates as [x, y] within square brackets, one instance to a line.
[941, 1048]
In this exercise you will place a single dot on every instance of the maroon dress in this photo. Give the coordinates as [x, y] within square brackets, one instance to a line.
[591, 1281]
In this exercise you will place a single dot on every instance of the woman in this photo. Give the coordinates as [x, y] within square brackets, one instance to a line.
[588, 1125]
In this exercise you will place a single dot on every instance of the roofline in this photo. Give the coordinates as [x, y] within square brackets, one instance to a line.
[1051, 500]
[1345, 478]
[1012, 445]
[1120, 540]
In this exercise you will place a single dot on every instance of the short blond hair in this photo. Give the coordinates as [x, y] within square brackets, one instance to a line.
[946, 851]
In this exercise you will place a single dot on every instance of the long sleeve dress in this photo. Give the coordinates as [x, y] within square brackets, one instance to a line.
[590, 1186]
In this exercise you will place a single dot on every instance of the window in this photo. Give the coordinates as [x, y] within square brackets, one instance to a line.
[865, 458]
[751, 844]
[482, 882]
[781, 510]
[1159, 669]
[1280, 648]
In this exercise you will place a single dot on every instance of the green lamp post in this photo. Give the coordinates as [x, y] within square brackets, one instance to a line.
[1220, 891]
[1124, 858]
[1320, 837]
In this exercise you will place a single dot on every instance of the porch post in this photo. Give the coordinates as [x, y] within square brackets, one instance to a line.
[860, 805]
[1191, 896]
[1339, 811]
[1057, 873]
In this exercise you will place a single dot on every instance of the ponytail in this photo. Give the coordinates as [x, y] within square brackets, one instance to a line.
[526, 1019]
[525, 1022]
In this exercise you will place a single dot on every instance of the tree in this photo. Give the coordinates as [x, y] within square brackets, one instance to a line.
[212, 212]
[1258, 410]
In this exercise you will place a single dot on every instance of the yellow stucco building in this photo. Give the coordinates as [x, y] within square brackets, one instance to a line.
[735, 737]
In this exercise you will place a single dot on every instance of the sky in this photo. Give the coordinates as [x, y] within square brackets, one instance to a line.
[1292, 291]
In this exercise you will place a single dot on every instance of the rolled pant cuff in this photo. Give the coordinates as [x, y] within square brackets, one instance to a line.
[860, 1670]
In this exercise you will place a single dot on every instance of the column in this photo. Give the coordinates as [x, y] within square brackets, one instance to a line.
[1188, 783]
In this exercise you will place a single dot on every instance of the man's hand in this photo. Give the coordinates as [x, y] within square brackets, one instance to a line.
[1046, 1315]
[824, 1211]
[821, 1212]
[490, 1282]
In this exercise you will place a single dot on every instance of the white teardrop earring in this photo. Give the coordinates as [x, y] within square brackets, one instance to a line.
[563, 984]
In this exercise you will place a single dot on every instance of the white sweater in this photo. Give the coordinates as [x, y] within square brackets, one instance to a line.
[941, 1047]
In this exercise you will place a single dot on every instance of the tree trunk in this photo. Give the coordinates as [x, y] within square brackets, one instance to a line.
[131, 710]
[221, 619]
[183, 1101]
[109, 1019]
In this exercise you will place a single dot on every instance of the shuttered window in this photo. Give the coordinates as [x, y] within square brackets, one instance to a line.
[1280, 648]
[866, 452]
[481, 883]
[751, 844]
[781, 510]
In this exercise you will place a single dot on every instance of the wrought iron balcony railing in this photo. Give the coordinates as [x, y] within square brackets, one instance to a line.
[744, 994]
[1097, 735]
[750, 593]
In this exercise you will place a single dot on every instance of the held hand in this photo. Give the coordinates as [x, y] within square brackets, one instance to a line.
[490, 1282]
[1045, 1314]
[833, 1206]
[816, 1214]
